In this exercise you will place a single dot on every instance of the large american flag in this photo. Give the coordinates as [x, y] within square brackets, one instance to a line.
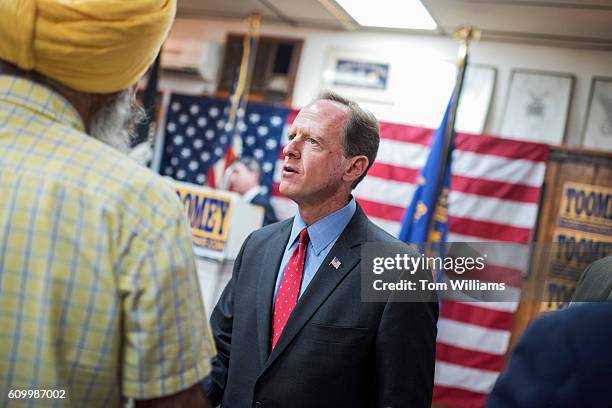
[495, 189]
[197, 136]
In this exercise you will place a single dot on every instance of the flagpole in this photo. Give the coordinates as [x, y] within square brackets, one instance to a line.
[246, 70]
[239, 97]
[465, 34]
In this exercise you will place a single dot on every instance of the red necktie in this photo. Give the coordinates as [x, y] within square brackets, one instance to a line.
[289, 289]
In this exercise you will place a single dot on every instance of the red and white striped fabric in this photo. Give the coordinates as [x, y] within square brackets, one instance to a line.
[495, 189]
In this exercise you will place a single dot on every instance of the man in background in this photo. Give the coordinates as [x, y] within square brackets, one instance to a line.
[563, 359]
[244, 177]
[595, 283]
[98, 292]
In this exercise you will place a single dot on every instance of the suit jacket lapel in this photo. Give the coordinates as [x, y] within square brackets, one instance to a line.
[269, 265]
[324, 282]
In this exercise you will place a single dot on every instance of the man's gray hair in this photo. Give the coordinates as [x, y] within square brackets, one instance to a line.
[250, 163]
[361, 135]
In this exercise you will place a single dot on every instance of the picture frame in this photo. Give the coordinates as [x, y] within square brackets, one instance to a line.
[537, 106]
[597, 129]
[359, 75]
[476, 96]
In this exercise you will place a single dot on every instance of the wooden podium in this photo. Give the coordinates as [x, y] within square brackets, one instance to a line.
[220, 221]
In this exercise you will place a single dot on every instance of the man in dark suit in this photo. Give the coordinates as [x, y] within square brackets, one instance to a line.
[595, 283]
[564, 359]
[243, 177]
[290, 327]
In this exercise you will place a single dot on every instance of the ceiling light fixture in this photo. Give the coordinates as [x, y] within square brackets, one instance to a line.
[407, 14]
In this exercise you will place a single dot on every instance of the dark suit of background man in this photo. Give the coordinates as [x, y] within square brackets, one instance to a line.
[330, 349]
[243, 177]
[564, 359]
[595, 283]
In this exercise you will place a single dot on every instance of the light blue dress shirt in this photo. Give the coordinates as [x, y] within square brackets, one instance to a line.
[323, 235]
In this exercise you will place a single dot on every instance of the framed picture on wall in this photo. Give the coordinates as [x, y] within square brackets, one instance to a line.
[597, 132]
[537, 106]
[476, 98]
[357, 74]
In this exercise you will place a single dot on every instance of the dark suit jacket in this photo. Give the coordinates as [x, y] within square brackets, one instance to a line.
[595, 283]
[335, 351]
[564, 359]
[263, 200]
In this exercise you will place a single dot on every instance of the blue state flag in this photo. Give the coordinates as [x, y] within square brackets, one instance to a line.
[428, 201]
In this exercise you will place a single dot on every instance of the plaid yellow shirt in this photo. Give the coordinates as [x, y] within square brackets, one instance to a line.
[98, 291]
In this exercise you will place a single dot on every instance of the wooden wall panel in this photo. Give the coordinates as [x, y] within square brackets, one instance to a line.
[564, 164]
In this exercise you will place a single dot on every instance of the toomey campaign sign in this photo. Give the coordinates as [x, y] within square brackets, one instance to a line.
[583, 233]
[220, 220]
[209, 215]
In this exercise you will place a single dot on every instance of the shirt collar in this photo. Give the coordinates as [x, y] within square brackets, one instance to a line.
[326, 230]
[39, 98]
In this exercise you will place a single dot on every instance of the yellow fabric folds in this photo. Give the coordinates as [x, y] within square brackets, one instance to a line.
[99, 46]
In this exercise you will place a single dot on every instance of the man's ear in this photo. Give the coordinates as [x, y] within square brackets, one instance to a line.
[357, 166]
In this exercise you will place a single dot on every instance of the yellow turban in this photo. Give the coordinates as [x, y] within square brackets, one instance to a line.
[100, 46]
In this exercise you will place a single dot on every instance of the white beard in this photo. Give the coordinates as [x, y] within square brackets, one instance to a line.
[115, 123]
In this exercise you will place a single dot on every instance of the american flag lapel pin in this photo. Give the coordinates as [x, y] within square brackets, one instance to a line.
[335, 263]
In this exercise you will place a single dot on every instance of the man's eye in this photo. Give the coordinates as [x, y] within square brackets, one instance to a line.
[290, 137]
[312, 141]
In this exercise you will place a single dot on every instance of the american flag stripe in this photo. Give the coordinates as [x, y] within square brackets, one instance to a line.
[459, 185]
[472, 185]
[462, 225]
[462, 377]
[515, 256]
[473, 335]
[385, 199]
[488, 167]
[499, 306]
[465, 163]
[494, 197]
[498, 273]
[469, 358]
[489, 208]
[460, 397]
[490, 318]
[391, 227]
[512, 149]
[497, 189]
[488, 230]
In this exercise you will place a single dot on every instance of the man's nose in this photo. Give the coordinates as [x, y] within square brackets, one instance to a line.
[292, 149]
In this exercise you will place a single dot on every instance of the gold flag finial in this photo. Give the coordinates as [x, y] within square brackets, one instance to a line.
[465, 34]
[254, 21]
